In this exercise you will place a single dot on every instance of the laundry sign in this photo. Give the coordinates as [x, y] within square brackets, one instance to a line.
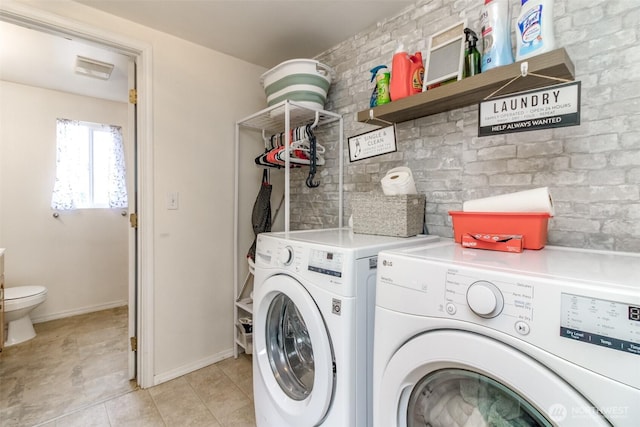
[371, 144]
[552, 107]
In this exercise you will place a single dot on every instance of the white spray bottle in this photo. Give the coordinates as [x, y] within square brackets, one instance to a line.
[534, 29]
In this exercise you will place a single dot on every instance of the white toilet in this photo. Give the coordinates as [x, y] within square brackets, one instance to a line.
[19, 301]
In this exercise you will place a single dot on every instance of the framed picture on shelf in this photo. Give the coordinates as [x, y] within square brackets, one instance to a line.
[445, 56]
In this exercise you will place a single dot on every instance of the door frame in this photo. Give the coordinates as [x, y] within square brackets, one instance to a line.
[142, 325]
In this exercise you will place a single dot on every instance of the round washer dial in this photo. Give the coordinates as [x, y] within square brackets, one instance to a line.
[286, 256]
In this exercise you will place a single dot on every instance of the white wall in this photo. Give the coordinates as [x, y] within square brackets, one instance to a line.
[81, 257]
[198, 94]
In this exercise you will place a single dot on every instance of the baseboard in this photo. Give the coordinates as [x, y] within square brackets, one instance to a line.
[183, 370]
[77, 311]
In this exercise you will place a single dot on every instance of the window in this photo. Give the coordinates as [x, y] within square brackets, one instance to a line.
[90, 168]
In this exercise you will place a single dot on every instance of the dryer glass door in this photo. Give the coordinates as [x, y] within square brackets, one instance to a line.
[450, 397]
[448, 378]
[289, 348]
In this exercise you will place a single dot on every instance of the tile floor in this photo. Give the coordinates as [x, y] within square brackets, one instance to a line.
[74, 373]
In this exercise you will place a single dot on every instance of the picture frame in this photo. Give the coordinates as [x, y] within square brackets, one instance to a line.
[445, 56]
[373, 143]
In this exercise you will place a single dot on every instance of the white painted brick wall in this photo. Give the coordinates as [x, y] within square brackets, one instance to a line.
[593, 170]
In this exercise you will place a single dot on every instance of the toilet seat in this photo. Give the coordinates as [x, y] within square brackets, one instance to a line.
[19, 297]
[17, 292]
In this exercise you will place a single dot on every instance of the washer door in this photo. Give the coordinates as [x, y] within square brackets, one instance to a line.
[293, 351]
[450, 378]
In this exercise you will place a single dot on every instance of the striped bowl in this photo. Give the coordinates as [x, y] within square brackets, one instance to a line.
[304, 81]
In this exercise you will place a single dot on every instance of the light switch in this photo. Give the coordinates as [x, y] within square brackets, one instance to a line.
[172, 200]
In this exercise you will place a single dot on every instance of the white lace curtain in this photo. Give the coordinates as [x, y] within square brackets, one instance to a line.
[74, 169]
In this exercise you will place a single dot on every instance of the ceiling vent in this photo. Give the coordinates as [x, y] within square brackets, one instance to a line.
[93, 68]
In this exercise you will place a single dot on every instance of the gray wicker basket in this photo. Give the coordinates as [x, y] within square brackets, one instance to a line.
[375, 213]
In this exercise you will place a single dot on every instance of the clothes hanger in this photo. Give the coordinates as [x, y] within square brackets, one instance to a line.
[261, 160]
[312, 154]
[299, 160]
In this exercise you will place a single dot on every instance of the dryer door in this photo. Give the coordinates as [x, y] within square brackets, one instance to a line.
[447, 378]
[293, 350]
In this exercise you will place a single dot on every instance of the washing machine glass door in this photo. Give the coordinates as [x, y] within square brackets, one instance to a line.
[449, 378]
[289, 348]
[293, 350]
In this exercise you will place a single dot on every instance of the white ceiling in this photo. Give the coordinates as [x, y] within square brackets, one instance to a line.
[48, 61]
[262, 32]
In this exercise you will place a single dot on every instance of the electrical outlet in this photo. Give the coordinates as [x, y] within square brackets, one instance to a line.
[172, 200]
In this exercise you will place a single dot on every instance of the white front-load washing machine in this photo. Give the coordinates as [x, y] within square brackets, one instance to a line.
[467, 337]
[313, 312]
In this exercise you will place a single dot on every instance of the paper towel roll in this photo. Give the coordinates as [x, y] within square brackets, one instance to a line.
[536, 200]
[398, 181]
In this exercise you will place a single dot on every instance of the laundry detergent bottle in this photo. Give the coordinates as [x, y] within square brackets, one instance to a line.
[407, 74]
[534, 29]
[400, 74]
[380, 94]
[495, 20]
[417, 73]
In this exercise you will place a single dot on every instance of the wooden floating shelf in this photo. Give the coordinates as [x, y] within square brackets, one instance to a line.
[474, 90]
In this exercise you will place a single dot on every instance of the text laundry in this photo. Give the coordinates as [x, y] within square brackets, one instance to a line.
[526, 101]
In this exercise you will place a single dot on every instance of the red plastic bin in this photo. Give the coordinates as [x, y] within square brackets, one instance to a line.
[531, 225]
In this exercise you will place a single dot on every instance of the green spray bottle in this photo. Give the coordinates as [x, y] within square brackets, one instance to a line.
[380, 94]
[472, 57]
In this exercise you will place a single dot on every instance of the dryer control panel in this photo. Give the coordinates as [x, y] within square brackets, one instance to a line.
[574, 304]
[489, 299]
[601, 322]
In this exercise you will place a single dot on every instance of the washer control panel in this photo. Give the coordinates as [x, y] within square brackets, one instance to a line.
[333, 269]
[299, 258]
[325, 262]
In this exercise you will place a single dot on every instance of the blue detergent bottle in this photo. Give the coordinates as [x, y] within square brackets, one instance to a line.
[495, 21]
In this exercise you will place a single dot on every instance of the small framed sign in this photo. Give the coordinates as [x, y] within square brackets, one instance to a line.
[552, 107]
[445, 58]
[371, 144]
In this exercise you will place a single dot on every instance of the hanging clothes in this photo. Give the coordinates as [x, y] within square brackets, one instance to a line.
[261, 215]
